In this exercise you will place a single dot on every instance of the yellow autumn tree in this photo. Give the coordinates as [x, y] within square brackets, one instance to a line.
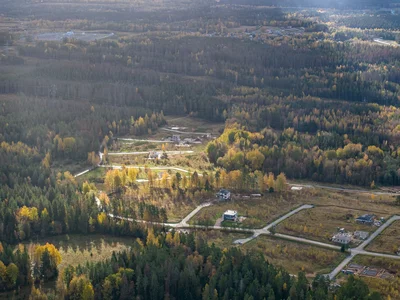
[132, 175]
[46, 161]
[270, 181]
[101, 218]
[55, 255]
[281, 183]
[37, 294]
[29, 214]
[164, 180]
[151, 238]
[177, 239]
[104, 200]
[80, 288]
[169, 239]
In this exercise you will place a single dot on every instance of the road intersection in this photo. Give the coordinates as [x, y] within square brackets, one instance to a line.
[267, 229]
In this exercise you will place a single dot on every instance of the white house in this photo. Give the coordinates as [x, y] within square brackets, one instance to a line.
[342, 238]
[230, 215]
[155, 155]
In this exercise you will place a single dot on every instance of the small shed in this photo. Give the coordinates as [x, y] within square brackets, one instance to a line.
[296, 188]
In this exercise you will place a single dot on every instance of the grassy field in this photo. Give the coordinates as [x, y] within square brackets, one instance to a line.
[189, 126]
[69, 165]
[96, 176]
[78, 249]
[221, 239]
[194, 161]
[176, 205]
[258, 211]
[388, 241]
[322, 222]
[196, 125]
[296, 257]
[261, 211]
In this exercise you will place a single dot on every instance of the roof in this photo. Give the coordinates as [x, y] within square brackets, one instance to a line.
[230, 212]
[223, 191]
[361, 233]
[342, 236]
[366, 217]
[355, 266]
[296, 188]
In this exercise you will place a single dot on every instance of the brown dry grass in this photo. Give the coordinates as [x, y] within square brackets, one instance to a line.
[388, 241]
[79, 249]
[296, 257]
[261, 211]
[258, 211]
[322, 222]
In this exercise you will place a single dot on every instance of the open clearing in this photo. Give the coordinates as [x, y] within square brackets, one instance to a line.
[82, 36]
[388, 241]
[95, 176]
[296, 257]
[322, 222]
[184, 127]
[195, 161]
[261, 211]
[177, 206]
[258, 211]
[79, 249]
[221, 239]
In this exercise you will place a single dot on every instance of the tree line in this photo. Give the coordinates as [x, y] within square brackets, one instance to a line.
[180, 266]
[309, 138]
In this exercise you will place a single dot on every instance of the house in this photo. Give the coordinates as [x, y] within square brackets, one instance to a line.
[366, 219]
[223, 195]
[188, 140]
[230, 215]
[176, 138]
[361, 235]
[342, 238]
[155, 155]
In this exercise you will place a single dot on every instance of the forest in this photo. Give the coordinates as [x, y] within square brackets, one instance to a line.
[308, 138]
[173, 266]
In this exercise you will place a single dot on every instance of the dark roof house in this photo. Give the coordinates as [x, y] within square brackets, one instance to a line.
[366, 219]
[224, 194]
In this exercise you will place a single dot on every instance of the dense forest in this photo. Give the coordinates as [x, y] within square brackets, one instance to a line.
[183, 267]
[308, 138]
[175, 266]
